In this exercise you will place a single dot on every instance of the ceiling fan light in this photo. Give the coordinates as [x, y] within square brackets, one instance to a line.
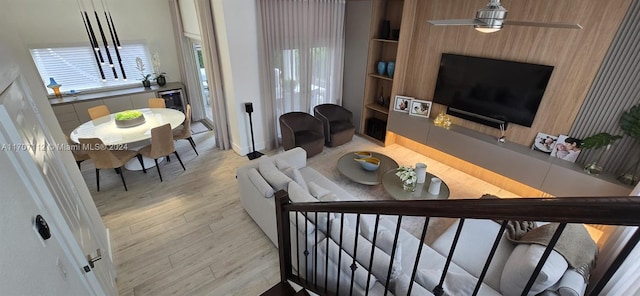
[487, 29]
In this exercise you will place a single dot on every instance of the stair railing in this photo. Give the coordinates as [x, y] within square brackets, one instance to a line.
[622, 211]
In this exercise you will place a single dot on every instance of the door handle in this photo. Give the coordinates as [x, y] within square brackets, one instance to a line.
[92, 260]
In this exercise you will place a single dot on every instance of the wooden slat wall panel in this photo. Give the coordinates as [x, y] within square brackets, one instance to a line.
[615, 90]
[576, 55]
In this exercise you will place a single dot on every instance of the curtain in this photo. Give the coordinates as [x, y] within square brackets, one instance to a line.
[210, 51]
[302, 55]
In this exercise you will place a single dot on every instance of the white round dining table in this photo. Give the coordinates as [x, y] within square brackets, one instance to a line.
[128, 137]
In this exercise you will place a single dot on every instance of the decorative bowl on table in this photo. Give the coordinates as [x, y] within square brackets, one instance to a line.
[369, 163]
[129, 118]
[362, 154]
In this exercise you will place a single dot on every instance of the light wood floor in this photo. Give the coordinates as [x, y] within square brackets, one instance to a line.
[189, 235]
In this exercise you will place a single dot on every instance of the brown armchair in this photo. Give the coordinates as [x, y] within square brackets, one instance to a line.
[300, 129]
[337, 122]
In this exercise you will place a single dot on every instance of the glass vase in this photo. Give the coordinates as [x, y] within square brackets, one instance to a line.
[409, 186]
[596, 167]
[630, 175]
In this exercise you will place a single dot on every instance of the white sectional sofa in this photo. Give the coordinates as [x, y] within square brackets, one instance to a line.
[507, 274]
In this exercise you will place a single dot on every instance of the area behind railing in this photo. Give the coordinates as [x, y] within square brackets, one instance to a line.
[304, 251]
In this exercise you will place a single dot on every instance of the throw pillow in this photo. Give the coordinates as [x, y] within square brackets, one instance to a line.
[295, 175]
[282, 164]
[380, 264]
[261, 185]
[298, 194]
[384, 241]
[277, 179]
[520, 266]
[317, 191]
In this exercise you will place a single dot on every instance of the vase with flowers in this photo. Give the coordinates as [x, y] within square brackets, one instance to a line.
[408, 177]
[145, 77]
[160, 78]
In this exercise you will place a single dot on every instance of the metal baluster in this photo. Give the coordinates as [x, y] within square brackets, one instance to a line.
[393, 254]
[315, 252]
[355, 251]
[420, 244]
[490, 257]
[298, 244]
[439, 290]
[339, 253]
[326, 260]
[373, 243]
[306, 248]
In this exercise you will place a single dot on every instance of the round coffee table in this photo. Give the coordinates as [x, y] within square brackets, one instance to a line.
[393, 186]
[354, 171]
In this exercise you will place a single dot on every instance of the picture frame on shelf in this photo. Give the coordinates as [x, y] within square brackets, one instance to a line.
[566, 148]
[420, 108]
[544, 143]
[402, 104]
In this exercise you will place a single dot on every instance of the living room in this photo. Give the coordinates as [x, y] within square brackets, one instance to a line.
[242, 76]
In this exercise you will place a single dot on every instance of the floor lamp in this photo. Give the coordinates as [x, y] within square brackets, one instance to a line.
[248, 107]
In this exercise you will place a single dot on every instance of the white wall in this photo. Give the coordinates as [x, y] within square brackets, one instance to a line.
[17, 267]
[237, 33]
[58, 22]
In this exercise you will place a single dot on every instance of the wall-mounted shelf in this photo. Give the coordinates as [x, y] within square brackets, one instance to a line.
[385, 77]
[378, 108]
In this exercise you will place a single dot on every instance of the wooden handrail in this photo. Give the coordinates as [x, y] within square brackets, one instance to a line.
[622, 210]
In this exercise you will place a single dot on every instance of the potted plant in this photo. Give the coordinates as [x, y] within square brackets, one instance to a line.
[160, 79]
[408, 177]
[602, 141]
[145, 77]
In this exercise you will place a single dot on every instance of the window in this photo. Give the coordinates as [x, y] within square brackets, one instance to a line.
[75, 68]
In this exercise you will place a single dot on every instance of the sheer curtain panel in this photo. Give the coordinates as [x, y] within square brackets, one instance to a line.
[303, 49]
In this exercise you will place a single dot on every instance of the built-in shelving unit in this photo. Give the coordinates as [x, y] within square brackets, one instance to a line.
[382, 47]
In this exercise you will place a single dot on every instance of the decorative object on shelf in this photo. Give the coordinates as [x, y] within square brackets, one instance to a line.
[434, 187]
[420, 108]
[567, 148]
[129, 118]
[98, 52]
[145, 77]
[155, 61]
[380, 99]
[385, 29]
[382, 67]
[369, 163]
[402, 104]
[408, 177]
[447, 122]
[395, 34]
[502, 138]
[544, 143]
[439, 120]
[362, 154]
[55, 87]
[391, 67]
[421, 172]
[602, 142]
[630, 125]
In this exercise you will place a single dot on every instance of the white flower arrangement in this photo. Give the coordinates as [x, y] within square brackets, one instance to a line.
[407, 174]
[140, 67]
[155, 61]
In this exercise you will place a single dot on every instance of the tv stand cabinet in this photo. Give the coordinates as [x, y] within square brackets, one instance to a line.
[513, 161]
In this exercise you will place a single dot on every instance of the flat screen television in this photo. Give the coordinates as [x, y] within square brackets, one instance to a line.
[491, 91]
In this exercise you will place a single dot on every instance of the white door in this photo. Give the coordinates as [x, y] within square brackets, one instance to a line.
[32, 157]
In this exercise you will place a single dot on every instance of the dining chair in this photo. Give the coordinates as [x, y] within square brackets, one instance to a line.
[157, 103]
[76, 149]
[104, 158]
[183, 132]
[98, 111]
[161, 145]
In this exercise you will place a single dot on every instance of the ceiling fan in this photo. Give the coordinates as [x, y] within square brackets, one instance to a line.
[491, 18]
